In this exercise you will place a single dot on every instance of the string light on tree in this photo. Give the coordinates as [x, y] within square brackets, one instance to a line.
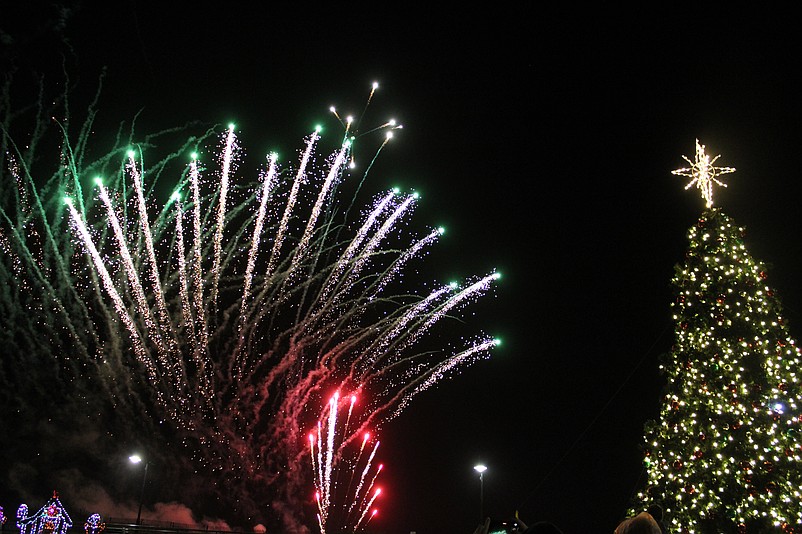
[725, 453]
[703, 173]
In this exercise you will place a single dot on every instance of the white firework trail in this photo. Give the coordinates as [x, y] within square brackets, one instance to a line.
[257, 231]
[472, 291]
[141, 301]
[228, 156]
[139, 349]
[186, 305]
[172, 365]
[334, 174]
[288, 210]
[408, 254]
[428, 380]
[381, 234]
[348, 254]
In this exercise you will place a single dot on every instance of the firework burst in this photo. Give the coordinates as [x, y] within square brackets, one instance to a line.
[233, 310]
[344, 473]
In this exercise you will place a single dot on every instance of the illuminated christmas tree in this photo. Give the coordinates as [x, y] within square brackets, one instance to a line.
[724, 455]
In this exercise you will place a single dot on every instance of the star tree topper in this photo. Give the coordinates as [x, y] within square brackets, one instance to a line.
[703, 173]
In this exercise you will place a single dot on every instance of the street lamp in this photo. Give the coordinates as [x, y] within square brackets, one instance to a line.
[135, 459]
[481, 469]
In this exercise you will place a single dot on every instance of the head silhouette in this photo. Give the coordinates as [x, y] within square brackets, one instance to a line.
[643, 523]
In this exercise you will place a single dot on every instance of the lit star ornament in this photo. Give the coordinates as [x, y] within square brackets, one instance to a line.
[703, 173]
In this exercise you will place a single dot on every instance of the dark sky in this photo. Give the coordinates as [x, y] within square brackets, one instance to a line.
[543, 139]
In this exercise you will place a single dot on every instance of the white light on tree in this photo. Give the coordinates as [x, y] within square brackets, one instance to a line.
[703, 173]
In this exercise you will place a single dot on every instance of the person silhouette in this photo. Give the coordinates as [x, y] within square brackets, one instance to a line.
[643, 523]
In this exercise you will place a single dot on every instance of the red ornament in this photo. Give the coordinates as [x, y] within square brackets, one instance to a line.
[689, 489]
[678, 465]
[768, 466]
[745, 465]
[698, 454]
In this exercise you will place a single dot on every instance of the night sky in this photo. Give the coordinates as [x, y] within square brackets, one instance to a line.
[543, 140]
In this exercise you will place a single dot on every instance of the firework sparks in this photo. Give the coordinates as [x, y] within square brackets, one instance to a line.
[342, 507]
[243, 318]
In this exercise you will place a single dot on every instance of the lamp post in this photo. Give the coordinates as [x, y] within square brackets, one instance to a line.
[135, 459]
[481, 469]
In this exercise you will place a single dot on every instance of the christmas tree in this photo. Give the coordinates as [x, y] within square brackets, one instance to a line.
[724, 455]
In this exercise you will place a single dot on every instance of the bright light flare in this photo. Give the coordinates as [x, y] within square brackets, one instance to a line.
[703, 173]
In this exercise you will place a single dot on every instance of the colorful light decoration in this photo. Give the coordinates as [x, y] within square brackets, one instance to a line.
[725, 454]
[51, 518]
[703, 173]
[22, 514]
[94, 524]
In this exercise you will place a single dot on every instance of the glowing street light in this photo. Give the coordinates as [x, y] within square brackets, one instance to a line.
[481, 469]
[136, 459]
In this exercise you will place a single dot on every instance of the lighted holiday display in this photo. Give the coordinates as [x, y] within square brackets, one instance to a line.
[22, 515]
[724, 455]
[51, 518]
[232, 310]
[94, 524]
[703, 173]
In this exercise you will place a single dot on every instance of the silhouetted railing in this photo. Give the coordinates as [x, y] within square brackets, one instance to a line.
[122, 525]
